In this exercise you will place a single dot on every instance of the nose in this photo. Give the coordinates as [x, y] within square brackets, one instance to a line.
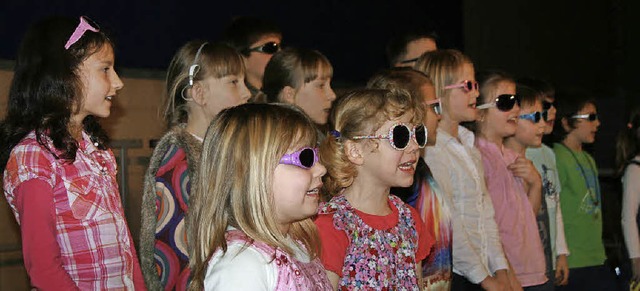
[331, 95]
[245, 94]
[116, 82]
[318, 170]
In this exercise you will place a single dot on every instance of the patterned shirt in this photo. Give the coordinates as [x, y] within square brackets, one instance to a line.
[96, 248]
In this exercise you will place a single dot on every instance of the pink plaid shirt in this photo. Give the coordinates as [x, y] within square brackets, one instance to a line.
[96, 248]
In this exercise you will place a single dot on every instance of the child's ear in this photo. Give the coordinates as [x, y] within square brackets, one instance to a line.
[287, 94]
[354, 152]
[565, 124]
[196, 92]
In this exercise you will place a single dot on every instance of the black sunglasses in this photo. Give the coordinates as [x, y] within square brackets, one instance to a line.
[504, 102]
[547, 105]
[269, 48]
[590, 117]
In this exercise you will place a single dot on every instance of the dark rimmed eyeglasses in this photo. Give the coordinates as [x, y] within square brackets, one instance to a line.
[84, 25]
[590, 117]
[435, 104]
[269, 48]
[504, 102]
[466, 85]
[534, 117]
[399, 136]
[304, 158]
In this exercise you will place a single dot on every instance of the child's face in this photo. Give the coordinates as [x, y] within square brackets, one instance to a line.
[585, 130]
[551, 116]
[296, 191]
[497, 123]
[315, 98]
[529, 134]
[460, 105]
[385, 166]
[431, 118]
[99, 82]
[257, 61]
[222, 93]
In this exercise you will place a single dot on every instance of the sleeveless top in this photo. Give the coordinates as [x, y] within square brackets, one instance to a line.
[292, 273]
[376, 259]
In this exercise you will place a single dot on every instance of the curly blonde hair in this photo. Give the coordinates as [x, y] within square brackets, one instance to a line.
[360, 112]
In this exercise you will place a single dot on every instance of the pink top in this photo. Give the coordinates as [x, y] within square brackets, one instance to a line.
[513, 214]
[74, 233]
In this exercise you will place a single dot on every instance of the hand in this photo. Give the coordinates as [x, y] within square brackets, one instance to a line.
[513, 281]
[524, 168]
[492, 284]
[635, 265]
[562, 271]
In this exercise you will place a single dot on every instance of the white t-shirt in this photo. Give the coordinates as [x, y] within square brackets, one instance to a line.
[245, 268]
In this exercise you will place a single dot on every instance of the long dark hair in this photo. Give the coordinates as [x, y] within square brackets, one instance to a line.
[46, 88]
[628, 141]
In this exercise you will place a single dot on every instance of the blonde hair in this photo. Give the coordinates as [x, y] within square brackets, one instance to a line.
[293, 67]
[360, 112]
[215, 60]
[443, 67]
[402, 77]
[241, 150]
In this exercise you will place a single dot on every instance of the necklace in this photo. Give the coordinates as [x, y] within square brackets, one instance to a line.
[594, 197]
[100, 164]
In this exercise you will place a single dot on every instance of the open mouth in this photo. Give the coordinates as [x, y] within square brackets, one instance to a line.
[472, 105]
[314, 191]
[109, 98]
[407, 166]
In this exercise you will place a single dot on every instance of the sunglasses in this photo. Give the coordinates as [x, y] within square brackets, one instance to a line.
[435, 104]
[269, 48]
[466, 85]
[304, 158]
[399, 136]
[84, 25]
[534, 117]
[590, 117]
[504, 102]
[547, 105]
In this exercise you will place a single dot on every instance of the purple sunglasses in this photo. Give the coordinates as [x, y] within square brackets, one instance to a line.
[304, 158]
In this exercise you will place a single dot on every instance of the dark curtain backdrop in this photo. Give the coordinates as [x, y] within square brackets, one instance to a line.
[352, 34]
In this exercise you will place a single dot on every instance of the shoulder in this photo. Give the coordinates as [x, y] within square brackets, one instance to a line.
[28, 160]
[229, 271]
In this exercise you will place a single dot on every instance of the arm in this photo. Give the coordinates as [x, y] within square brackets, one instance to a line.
[40, 249]
[466, 259]
[630, 204]
[241, 268]
[334, 279]
[524, 169]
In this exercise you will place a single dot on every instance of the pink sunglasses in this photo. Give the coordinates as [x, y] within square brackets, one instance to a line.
[84, 25]
[466, 85]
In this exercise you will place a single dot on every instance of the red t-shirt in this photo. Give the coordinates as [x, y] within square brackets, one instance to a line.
[335, 241]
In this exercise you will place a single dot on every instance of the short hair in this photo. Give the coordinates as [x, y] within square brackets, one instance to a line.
[215, 60]
[241, 151]
[244, 31]
[443, 67]
[293, 67]
[570, 101]
[539, 85]
[401, 77]
[527, 95]
[360, 112]
[397, 46]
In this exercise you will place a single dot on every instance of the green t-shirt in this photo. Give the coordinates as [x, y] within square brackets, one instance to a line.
[581, 206]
